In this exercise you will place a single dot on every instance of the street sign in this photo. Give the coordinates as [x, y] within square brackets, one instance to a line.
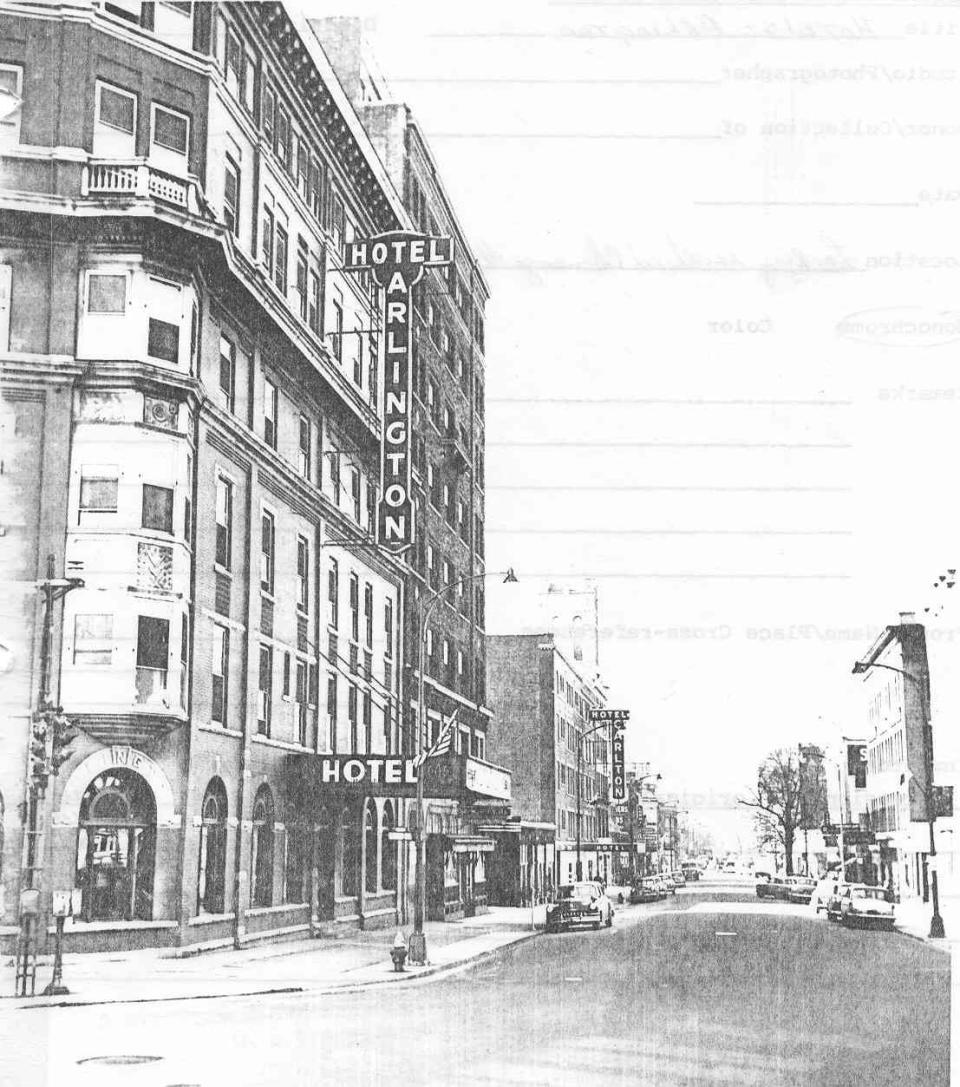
[397, 260]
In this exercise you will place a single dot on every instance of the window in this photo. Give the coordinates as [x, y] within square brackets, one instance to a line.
[249, 75]
[352, 717]
[267, 239]
[11, 90]
[373, 371]
[157, 508]
[267, 545]
[371, 506]
[169, 138]
[106, 294]
[99, 485]
[304, 453]
[303, 698]
[367, 722]
[227, 376]
[368, 614]
[313, 300]
[269, 111]
[163, 340]
[354, 607]
[153, 649]
[173, 22]
[315, 197]
[303, 573]
[233, 64]
[93, 640]
[265, 691]
[355, 492]
[114, 130]
[447, 572]
[231, 196]
[285, 683]
[270, 397]
[358, 357]
[281, 143]
[337, 334]
[211, 876]
[332, 708]
[280, 269]
[459, 662]
[224, 518]
[221, 673]
[261, 846]
[446, 651]
[333, 592]
[388, 629]
[301, 283]
[337, 221]
[334, 455]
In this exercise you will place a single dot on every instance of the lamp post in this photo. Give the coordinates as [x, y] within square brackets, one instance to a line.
[937, 931]
[418, 940]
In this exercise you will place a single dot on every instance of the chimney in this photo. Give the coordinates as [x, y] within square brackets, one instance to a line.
[907, 617]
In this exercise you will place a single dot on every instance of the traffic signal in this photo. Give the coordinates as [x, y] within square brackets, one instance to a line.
[64, 734]
[39, 766]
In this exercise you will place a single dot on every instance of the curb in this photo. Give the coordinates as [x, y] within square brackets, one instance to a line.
[38, 1003]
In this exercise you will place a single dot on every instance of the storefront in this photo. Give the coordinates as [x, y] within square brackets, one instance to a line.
[520, 868]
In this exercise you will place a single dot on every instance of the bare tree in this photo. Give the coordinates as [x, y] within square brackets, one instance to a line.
[778, 798]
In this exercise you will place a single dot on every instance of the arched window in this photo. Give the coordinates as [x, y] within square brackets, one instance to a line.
[349, 851]
[388, 851]
[116, 848]
[212, 874]
[370, 845]
[298, 857]
[261, 847]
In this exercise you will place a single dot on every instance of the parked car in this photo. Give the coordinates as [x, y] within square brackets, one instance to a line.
[581, 903]
[679, 879]
[691, 871]
[669, 882]
[801, 888]
[645, 890]
[863, 905]
[730, 866]
[774, 887]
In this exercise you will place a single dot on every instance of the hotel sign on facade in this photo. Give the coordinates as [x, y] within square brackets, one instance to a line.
[618, 723]
[397, 260]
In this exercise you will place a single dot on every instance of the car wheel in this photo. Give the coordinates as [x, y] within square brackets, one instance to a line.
[596, 926]
[609, 918]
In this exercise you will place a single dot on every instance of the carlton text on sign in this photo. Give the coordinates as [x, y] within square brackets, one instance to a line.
[397, 260]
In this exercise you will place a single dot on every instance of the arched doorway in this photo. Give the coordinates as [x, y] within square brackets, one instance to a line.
[370, 843]
[261, 845]
[116, 848]
[388, 850]
[211, 877]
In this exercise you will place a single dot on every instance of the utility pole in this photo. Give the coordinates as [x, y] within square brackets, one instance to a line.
[50, 737]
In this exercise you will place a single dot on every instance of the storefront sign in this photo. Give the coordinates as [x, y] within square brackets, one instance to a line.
[618, 764]
[362, 771]
[620, 717]
[397, 260]
[480, 777]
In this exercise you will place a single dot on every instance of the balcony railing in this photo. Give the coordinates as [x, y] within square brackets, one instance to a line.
[138, 179]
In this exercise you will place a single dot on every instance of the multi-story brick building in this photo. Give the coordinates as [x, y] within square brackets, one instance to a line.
[448, 464]
[191, 420]
[541, 733]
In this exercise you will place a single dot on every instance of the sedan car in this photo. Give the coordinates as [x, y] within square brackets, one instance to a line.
[645, 890]
[824, 891]
[691, 871]
[774, 887]
[800, 888]
[679, 879]
[579, 904]
[669, 883]
[863, 905]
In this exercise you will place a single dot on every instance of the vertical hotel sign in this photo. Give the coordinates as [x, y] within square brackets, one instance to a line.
[397, 260]
[617, 720]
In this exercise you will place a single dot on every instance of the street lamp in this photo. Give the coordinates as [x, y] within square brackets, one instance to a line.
[418, 940]
[937, 931]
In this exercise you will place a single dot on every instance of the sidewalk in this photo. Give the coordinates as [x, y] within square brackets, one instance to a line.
[912, 917]
[354, 960]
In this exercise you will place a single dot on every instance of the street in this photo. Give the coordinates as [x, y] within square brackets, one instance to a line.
[709, 987]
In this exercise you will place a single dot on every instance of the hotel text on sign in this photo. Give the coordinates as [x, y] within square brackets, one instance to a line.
[618, 721]
[397, 261]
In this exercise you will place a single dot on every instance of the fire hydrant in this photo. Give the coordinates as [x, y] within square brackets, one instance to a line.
[399, 952]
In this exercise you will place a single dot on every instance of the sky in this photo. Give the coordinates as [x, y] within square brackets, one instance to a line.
[722, 341]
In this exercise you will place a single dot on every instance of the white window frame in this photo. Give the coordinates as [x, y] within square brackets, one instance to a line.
[169, 157]
[101, 85]
[10, 125]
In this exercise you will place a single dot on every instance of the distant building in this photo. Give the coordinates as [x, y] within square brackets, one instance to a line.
[541, 704]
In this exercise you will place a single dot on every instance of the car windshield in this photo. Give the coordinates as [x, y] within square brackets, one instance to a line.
[870, 892]
[581, 892]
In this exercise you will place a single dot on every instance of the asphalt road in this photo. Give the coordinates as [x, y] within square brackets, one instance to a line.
[711, 987]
